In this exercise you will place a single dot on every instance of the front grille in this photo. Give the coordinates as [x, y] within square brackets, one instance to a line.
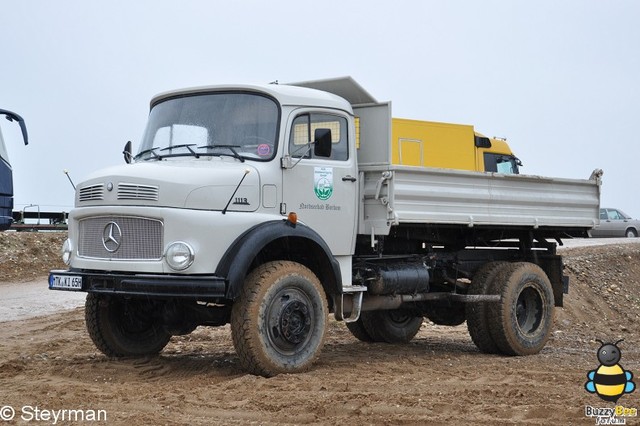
[132, 191]
[92, 192]
[120, 237]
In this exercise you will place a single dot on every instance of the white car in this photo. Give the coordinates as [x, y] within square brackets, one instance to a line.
[616, 223]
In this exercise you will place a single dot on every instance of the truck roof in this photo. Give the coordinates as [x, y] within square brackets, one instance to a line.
[285, 94]
[345, 87]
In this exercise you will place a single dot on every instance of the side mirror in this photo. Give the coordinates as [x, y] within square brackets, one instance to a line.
[12, 116]
[322, 143]
[127, 152]
[482, 141]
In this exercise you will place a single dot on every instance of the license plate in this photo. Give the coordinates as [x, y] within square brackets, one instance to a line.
[65, 282]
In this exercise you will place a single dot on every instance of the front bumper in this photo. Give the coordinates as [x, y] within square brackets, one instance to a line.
[200, 287]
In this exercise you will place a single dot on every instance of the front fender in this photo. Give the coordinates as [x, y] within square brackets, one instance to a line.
[286, 242]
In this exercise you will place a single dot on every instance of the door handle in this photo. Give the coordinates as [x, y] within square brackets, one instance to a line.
[348, 178]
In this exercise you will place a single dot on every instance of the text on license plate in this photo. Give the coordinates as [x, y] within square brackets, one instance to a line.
[65, 282]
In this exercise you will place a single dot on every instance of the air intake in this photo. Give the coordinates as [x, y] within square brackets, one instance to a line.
[92, 192]
[131, 191]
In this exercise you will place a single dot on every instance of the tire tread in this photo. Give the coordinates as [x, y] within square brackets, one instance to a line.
[477, 313]
[501, 317]
[245, 316]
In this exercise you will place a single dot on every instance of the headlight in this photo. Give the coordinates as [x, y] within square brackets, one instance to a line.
[179, 255]
[67, 248]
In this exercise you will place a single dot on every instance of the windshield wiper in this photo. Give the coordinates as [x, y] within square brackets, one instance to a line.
[184, 145]
[148, 151]
[231, 148]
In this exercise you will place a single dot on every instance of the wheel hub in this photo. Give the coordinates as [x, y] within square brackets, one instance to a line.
[529, 310]
[295, 322]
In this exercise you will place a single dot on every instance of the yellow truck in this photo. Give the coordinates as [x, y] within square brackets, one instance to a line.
[449, 146]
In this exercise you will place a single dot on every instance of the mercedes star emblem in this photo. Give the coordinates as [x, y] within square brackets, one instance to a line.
[111, 237]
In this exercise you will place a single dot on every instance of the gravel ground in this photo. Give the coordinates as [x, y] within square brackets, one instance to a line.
[49, 363]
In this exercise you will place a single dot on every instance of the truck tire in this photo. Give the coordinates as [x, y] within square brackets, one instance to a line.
[445, 313]
[124, 327]
[279, 321]
[391, 326]
[359, 332]
[521, 322]
[477, 321]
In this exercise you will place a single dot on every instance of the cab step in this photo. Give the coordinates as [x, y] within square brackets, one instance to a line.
[355, 292]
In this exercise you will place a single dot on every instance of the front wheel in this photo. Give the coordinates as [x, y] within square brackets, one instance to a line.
[278, 323]
[521, 322]
[124, 327]
[631, 233]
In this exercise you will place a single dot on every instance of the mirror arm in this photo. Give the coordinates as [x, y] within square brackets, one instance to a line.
[12, 116]
[287, 162]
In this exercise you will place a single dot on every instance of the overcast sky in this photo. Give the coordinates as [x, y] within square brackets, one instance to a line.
[559, 79]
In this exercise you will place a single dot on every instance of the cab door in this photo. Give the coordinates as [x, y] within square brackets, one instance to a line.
[322, 189]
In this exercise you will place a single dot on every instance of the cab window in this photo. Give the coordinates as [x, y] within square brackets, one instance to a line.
[303, 130]
[500, 163]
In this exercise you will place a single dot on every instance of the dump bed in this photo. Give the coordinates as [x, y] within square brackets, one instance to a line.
[398, 194]
[395, 195]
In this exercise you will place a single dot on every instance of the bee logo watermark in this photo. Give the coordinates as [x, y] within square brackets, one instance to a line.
[610, 381]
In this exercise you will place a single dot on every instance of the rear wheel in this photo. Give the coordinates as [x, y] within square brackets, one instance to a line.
[445, 313]
[124, 327]
[521, 322]
[392, 326]
[477, 322]
[359, 332]
[279, 321]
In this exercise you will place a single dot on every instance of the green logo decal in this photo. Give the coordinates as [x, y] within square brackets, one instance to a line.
[323, 182]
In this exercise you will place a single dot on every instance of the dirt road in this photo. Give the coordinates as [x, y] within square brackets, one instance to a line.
[49, 362]
[33, 299]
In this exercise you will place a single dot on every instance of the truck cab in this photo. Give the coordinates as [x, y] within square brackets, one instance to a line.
[449, 146]
[213, 164]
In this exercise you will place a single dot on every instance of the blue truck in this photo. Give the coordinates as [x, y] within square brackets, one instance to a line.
[6, 173]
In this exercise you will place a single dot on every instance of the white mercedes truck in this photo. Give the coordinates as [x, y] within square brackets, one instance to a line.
[271, 206]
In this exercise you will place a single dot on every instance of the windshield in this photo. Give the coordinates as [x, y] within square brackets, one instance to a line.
[239, 125]
[3, 149]
[501, 163]
[507, 165]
